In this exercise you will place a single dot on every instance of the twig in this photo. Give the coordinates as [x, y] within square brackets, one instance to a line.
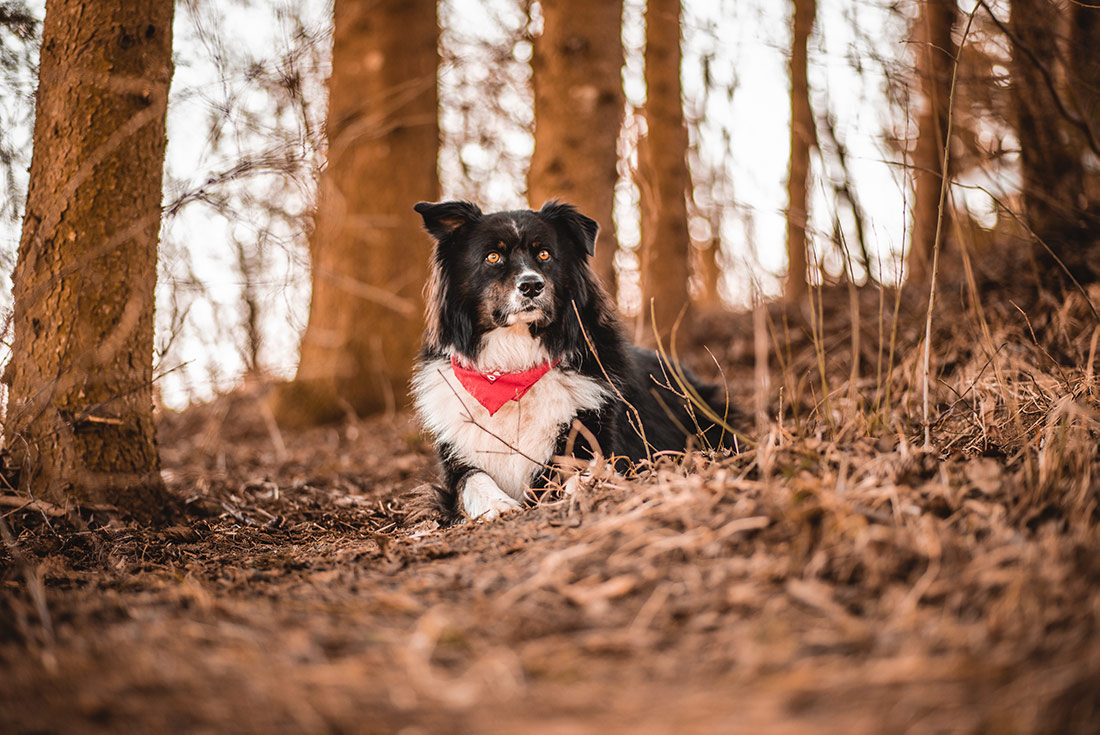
[18, 503]
[939, 227]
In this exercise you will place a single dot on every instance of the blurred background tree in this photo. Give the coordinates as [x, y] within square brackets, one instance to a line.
[19, 32]
[803, 139]
[1056, 88]
[663, 176]
[577, 77]
[935, 54]
[369, 258]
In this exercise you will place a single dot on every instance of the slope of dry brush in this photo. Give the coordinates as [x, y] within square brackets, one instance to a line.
[835, 577]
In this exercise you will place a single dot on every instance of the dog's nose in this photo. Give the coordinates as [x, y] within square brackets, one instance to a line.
[530, 284]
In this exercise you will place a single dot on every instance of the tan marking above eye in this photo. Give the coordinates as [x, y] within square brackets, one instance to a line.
[492, 258]
[544, 255]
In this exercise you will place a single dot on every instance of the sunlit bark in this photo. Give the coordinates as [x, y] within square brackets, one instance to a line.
[79, 421]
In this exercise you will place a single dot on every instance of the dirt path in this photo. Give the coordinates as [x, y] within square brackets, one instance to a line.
[698, 599]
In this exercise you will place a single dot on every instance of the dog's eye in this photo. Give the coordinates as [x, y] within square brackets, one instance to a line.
[544, 255]
[492, 258]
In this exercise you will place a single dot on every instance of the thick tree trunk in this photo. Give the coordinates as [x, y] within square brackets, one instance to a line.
[802, 141]
[935, 54]
[369, 255]
[578, 113]
[79, 421]
[666, 245]
[1052, 148]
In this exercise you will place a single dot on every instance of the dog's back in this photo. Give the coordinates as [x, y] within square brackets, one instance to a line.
[675, 408]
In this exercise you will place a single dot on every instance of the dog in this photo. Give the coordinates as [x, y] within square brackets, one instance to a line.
[524, 359]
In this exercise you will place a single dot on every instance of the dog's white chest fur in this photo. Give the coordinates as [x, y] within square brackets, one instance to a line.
[512, 445]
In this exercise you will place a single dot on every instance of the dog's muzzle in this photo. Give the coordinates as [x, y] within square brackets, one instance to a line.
[530, 300]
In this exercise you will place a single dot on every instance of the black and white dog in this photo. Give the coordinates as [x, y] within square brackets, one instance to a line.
[521, 341]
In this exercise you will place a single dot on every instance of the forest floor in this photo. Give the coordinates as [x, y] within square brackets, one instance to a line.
[833, 577]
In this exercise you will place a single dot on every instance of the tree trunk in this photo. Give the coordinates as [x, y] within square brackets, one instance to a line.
[935, 54]
[1084, 64]
[578, 114]
[1052, 149]
[802, 142]
[666, 245]
[709, 270]
[79, 421]
[1084, 85]
[369, 255]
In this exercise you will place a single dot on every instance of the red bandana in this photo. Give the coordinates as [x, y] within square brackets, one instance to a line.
[495, 388]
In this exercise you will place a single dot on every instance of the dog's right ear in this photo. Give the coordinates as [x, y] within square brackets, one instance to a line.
[443, 218]
[567, 219]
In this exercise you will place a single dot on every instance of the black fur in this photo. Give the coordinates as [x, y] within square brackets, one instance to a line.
[458, 318]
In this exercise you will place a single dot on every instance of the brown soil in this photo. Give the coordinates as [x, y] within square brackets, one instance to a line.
[833, 578]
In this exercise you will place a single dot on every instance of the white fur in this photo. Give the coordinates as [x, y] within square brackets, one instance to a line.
[512, 445]
[482, 499]
[510, 350]
[577, 481]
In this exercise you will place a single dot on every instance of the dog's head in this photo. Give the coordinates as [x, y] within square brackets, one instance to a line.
[497, 270]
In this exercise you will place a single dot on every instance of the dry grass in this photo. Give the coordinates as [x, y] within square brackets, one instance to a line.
[834, 578]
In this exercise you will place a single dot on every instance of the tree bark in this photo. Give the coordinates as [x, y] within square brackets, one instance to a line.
[79, 421]
[578, 114]
[368, 253]
[666, 245]
[803, 139]
[1084, 65]
[1084, 84]
[935, 54]
[1053, 148]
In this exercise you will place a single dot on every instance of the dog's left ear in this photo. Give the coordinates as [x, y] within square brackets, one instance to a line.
[443, 218]
[572, 224]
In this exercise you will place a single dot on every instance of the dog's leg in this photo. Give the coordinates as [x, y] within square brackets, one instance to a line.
[468, 491]
[482, 499]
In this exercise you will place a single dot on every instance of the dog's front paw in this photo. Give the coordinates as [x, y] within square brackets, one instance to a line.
[483, 500]
[578, 481]
[587, 478]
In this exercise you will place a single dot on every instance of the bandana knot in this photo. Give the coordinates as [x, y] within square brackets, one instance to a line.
[493, 389]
